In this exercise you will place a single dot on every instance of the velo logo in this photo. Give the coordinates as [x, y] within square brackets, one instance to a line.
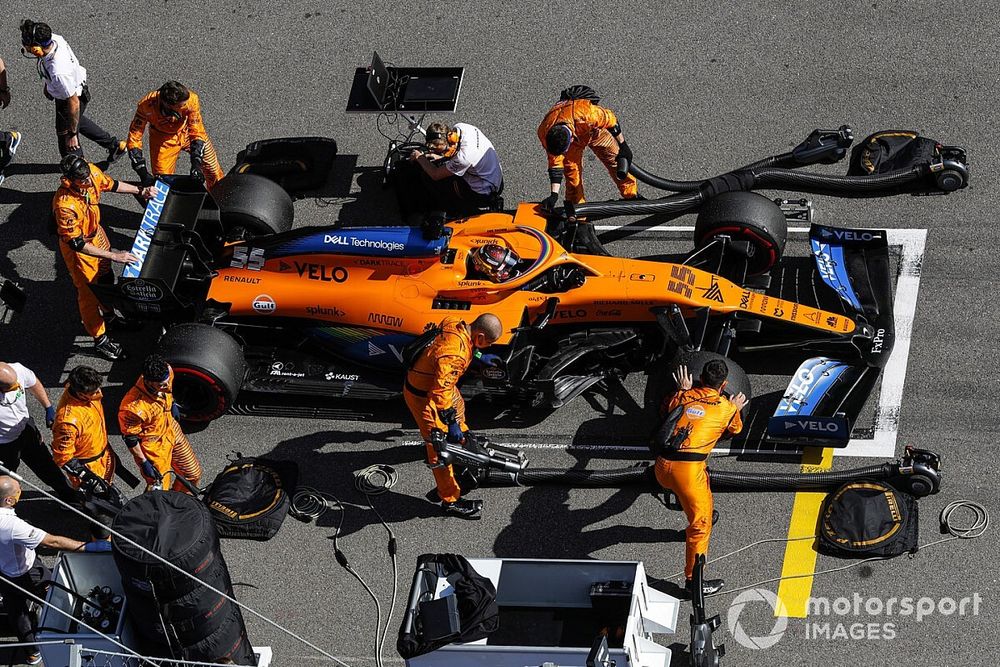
[776, 609]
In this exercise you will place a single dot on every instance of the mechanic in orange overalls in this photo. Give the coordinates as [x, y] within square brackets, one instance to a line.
[148, 420]
[432, 395]
[574, 123]
[173, 113]
[79, 430]
[84, 243]
[700, 415]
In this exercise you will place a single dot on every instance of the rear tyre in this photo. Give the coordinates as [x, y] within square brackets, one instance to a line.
[208, 369]
[745, 216]
[255, 203]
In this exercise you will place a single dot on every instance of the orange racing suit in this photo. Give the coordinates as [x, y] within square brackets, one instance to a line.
[590, 124]
[79, 432]
[708, 415]
[146, 415]
[78, 215]
[431, 386]
[171, 134]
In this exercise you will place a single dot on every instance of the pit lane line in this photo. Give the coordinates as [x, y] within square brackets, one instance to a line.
[912, 243]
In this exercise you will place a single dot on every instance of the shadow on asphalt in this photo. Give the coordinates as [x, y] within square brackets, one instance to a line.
[332, 473]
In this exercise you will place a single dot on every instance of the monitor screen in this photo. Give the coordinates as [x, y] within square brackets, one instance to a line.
[378, 80]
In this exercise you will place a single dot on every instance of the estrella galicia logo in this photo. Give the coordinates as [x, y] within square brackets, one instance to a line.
[777, 609]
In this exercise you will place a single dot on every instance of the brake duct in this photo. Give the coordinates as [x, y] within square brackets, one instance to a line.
[918, 473]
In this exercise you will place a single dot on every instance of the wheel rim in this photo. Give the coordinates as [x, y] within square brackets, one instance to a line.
[199, 396]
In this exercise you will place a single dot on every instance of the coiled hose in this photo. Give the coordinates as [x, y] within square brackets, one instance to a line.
[722, 480]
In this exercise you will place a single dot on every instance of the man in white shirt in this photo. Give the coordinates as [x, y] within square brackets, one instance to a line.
[19, 437]
[463, 170]
[19, 565]
[66, 83]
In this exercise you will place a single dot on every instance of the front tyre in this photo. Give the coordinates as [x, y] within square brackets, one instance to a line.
[208, 368]
[745, 216]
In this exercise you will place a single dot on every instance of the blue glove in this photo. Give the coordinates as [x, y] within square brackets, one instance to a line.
[175, 410]
[489, 359]
[50, 416]
[149, 470]
[455, 434]
[97, 547]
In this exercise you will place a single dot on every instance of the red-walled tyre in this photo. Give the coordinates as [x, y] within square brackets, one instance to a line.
[208, 369]
[745, 216]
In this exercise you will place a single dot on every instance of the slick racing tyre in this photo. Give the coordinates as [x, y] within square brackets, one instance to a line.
[745, 216]
[257, 204]
[208, 368]
[661, 385]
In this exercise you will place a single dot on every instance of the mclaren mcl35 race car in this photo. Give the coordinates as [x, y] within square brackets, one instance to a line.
[251, 305]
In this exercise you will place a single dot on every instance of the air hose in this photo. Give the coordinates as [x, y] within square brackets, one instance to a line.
[757, 177]
[661, 183]
[917, 472]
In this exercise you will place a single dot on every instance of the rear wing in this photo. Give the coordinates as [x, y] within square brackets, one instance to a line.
[172, 254]
[826, 394]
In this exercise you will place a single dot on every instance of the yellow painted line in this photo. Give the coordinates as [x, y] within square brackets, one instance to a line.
[800, 556]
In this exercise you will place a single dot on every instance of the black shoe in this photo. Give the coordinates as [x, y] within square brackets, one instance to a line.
[433, 496]
[715, 517]
[116, 151]
[465, 509]
[708, 586]
[109, 349]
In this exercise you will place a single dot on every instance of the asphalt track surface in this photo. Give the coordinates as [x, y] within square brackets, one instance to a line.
[700, 87]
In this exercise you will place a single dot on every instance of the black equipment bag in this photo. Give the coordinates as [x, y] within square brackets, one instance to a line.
[476, 598]
[250, 498]
[867, 518]
[892, 150]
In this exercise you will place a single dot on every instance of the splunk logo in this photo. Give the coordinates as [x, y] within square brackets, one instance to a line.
[323, 310]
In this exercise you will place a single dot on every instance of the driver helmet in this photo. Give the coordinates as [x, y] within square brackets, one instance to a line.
[496, 262]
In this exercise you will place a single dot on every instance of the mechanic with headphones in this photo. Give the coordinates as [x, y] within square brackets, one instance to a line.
[574, 123]
[173, 113]
[9, 140]
[84, 243]
[462, 171]
[696, 417]
[432, 395]
[66, 83]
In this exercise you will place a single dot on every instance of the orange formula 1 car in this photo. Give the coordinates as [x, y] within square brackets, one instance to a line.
[330, 311]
